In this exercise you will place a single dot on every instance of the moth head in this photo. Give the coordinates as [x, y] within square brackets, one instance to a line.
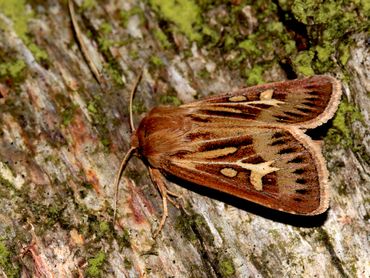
[160, 134]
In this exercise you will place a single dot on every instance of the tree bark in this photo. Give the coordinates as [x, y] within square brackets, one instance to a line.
[64, 130]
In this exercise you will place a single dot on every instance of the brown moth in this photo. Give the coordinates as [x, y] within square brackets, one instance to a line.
[249, 143]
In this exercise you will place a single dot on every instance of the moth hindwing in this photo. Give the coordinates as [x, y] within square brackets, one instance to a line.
[249, 143]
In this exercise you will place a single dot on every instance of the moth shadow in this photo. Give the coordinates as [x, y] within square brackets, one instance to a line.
[275, 215]
[319, 132]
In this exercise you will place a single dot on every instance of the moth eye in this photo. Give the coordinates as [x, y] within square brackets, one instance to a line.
[299, 171]
[285, 151]
[301, 181]
[296, 160]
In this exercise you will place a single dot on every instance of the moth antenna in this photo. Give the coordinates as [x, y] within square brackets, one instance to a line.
[118, 178]
[132, 98]
[130, 151]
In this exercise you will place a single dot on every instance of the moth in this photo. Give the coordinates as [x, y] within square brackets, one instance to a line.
[249, 143]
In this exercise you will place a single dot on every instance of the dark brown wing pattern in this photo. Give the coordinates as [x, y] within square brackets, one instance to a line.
[275, 167]
[306, 103]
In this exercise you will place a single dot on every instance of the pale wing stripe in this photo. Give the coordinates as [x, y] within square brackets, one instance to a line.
[272, 102]
[258, 170]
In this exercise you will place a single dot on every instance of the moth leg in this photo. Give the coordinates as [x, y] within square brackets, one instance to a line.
[175, 203]
[157, 178]
[172, 194]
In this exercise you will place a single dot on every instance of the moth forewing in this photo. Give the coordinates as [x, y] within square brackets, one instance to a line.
[322, 172]
[249, 143]
[306, 103]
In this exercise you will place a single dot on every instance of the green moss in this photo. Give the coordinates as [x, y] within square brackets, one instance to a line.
[104, 44]
[204, 74]
[365, 7]
[99, 119]
[328, 22]
[105, 142]
[88, 4]
[134, 54]
[275, 27]
[16, 11]
[138, 107]
[114, 73]
[14, 69]
[323, 62]
[124, 240]
[95, 264]
[229, 42]
[6, 264]
[48, 215]
[254, 75]
[250, 47]
[104, 227]
[274, 233]
[127, 263]
[68, 113]
[106, 28]
[91, 107]
[156, 61]
[344, 52]
[210, 35]
[161, 37]
[340, 133]
[342, 189]
[337, 17]
[191, 225]
[39, 54]
[95, 110]
[4, 182]
[185, 15]
[324, 52]
[170, 100]
[126, 15]
[184, 225]
[302, 62]
[307, 11]
[289, 46]
[226, 267]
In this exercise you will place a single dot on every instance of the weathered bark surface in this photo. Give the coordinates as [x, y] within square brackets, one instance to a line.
[63, 135]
